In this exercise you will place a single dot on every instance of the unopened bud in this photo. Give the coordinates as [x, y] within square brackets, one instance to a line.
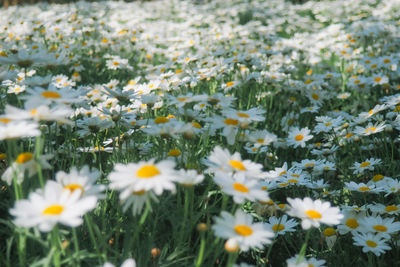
[155, 252]
[202, 227]
[231, 245]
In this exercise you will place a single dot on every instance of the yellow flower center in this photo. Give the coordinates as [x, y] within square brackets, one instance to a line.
[293, 181]
[364, 188]
[50, 94]
[328, 124]
[5, 120]
[53, 210]
[308, 81]
[349, 135]
[377, 177]
[315, 96]
[352, 223]
[139, 193]
[299, 137]
[365, 164]
[243, 230]
[309, 165]
[391, 208]
[181, 99]
[196, 125]
[313, 214]
[371, 243]
[24, 157]
[242, 115]
[380, 228]
[73, 187]
[160, 120]
[370, 129]
[377, 79]
[147, 171]
[231, 122]
[329, 231]
[174, 153]
[240, 187]
[278, 227]
[238, 165]
[229, 84]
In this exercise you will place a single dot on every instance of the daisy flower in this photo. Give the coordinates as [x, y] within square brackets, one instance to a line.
[135, 177]
[221, 160]
[350, 221]
[393, 209]
[25, 163]
[378, 225]
[10, 129]
[240, 188]
[115, 63]
[362, 187]
[298, 137]
[313, 213]
[371, 243]
[245, 117]
[189, 178]
[293, 262]
[372, 112]
[38, 96]
[330, 236]
[126, 263]
[83, 180]
[262, 138]
[58, 113]
[368, 164]
[241, 228]
[229, 126]
[137, 199]
[281, 225]
[45, 208]
[370, 129]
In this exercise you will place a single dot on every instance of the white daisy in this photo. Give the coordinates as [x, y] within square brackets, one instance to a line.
[45, 208]
[135, 177]
[371, 243]
[241, 228]
[313, 213]
[83, 180]
[298, 137]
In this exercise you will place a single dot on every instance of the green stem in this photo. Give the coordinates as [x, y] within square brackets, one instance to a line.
[89, 223]
[185, 213]
[76, 247]
[22, 248]
[232, 259]
[56, 246]
[201, 252]
[300, 258]
[38, 153]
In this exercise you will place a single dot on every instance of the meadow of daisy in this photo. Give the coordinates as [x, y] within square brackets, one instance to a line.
[200, 133]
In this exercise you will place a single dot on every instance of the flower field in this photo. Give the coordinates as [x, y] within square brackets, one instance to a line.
[200, 133]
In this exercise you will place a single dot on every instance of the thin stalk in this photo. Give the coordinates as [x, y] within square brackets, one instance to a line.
[201, 251]
[76, 247]
[89, 223]
[300, 258]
